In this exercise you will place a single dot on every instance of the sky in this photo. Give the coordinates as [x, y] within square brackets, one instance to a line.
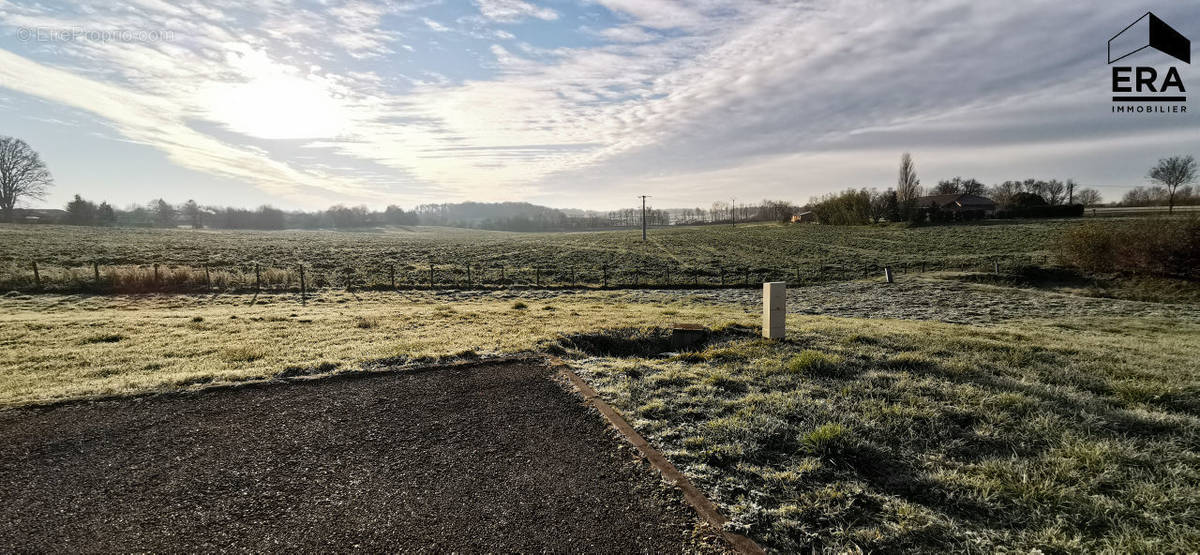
[303, 104]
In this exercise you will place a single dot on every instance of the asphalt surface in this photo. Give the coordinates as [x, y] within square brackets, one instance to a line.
[466, 459]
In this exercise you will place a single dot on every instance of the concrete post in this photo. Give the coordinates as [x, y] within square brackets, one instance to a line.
[887, 274]
[774, 309]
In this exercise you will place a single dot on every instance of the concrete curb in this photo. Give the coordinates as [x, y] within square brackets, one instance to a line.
[703, 506]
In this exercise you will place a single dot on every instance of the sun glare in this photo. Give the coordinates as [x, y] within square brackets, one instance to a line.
[276, 107]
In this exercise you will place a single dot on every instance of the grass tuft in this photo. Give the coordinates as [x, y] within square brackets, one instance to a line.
[815, 363]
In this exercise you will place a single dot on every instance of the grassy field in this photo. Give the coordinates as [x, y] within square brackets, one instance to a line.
[752, 252]
[949, 411]
[1074, 435]
[1075, 430]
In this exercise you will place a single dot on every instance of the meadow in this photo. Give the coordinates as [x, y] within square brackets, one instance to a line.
[949, 411]
[195, 260]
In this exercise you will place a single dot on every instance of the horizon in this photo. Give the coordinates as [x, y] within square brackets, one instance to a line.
[568, 105]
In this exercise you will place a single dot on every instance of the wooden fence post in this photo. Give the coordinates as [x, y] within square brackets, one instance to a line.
[604, 269]
[797, 276]
[667, 276]
[996, 266]
[392, 274]
[37, 276]
[96, 272]
[303, 285]
[537, 276]
[156, 275]
[208, 278]
[257, 278]
[637, 275]
[573, 283]
[887, 274]
[431, 275]
[468, 276]
[503, 280]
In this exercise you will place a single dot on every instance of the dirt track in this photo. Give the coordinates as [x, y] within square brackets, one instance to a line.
[494, 457]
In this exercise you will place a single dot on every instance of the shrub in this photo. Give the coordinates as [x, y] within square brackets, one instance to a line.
[1167, 247]
[1057, 211]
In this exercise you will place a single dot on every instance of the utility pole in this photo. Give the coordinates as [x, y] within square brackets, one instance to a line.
[643, 197]
[733, 210]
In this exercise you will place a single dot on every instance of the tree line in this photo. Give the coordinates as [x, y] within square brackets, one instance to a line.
[1173, 178]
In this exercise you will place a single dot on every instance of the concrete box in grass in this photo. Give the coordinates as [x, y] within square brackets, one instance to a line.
[774, 309]
[687, 337]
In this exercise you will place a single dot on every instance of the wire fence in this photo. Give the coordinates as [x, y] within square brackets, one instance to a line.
[304, 277]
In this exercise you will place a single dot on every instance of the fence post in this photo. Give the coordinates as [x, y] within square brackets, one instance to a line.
[303, 285]
[96, 272]
[392, 274]
[637, 276]
[431, 275]
[208, 278]
[604, 268]
[996, 266]
[156, 275]
[37, 276]
[922, 266]
[537, 276]
[503, 280]
[572, 276]
[667, 276]
[257, 278]
[887, 274]
[722, 268]
[468, 276]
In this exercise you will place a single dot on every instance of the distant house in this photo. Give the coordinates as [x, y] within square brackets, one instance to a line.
[38, 215]
[804, 217]
[961, 205]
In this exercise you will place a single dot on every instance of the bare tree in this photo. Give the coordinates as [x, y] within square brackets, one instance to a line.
[948, 187]
[878, 207]
[1004, 192]
[1088, 197]
[194, 214]
[164, 213]
[1055, 192]
[23, 176]
[908, 187]
[960, 185]
[1173, 172]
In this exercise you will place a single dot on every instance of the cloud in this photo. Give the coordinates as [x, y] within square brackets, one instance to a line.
[511, 11]
[308, 100]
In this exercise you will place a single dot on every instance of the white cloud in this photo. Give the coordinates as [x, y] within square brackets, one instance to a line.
[691, 97]
[509, 11]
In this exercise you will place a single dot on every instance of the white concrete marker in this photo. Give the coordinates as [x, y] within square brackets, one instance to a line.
[774, 309]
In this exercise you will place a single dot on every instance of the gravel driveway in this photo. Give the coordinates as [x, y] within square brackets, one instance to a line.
[487, 458]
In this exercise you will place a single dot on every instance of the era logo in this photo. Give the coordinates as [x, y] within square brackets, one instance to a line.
[1145, 79]
[1148, 31]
